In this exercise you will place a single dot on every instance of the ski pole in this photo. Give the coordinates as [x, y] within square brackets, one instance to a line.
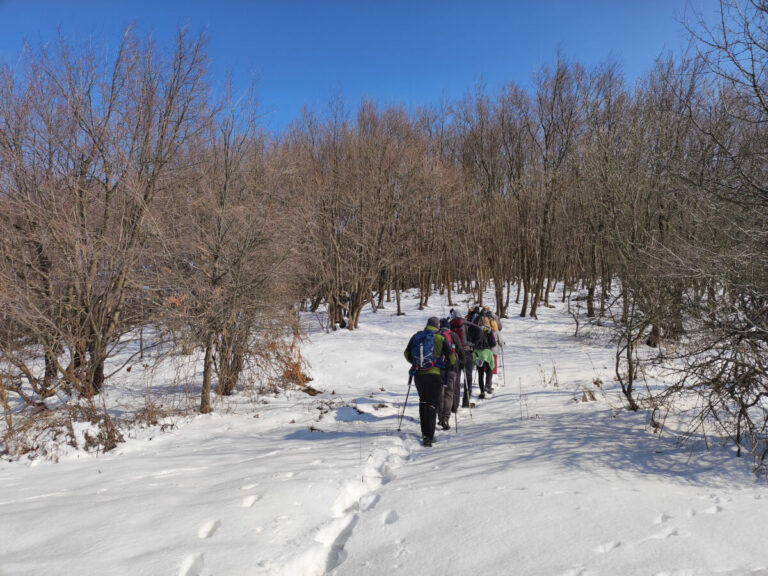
[458, 391]
[503, 368]
[468, 390]
[456, 414]
[410, 379]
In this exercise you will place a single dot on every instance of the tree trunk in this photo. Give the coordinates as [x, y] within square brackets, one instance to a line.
[591, 299]
[397, 298]
[498, 288]
[654, 337]
[506, 299]
[205, 393]
[524, 307]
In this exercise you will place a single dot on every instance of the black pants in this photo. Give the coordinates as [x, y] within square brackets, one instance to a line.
[469, 368]
[450, 387]
[430, 389]
[485, 370]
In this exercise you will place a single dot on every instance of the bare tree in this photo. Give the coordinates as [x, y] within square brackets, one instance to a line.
[88, 146]
[225, 252]
[726, 260]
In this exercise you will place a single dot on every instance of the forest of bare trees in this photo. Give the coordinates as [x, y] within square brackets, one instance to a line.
[132, 200]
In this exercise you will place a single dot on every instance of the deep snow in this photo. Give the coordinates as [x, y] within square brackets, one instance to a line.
[536, 481]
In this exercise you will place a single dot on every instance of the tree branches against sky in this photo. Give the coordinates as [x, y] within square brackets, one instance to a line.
[303, 52]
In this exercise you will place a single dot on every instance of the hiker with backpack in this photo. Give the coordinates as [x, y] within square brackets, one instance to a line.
[429, 352]
[477, 340]
[474, 314]
[460, 329]
[450, 378]
[495, 325]
[483, 358]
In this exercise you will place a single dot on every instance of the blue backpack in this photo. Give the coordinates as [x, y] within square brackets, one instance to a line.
[423, 351]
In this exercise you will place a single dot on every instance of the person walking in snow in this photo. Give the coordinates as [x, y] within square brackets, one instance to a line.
[483, 358]
[450, 377]
[495, 324]
[428, 352]
[474, 314]
[460, 330]
[476, 340]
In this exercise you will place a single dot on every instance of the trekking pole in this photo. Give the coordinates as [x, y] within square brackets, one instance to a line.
[456, 414]
[466, 387]
[503, 368]
[410, 379]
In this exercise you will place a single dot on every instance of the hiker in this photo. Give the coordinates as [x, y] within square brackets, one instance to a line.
[474, 314]
[476, 339]
[483, 358]
[495, 324]
[493, 316]
[428, 352]
[449, 402]
[461, 331]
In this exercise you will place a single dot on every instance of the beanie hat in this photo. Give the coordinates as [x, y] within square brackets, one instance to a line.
[444, 323]
[434, 321]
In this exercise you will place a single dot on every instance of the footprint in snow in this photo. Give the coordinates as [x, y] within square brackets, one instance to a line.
[208, 529]
[286, 475]
[667, 533]
[192, 565]
[249, 501]
[368, 501]
[249, 486]
[661, 519]
[401, 548]
[607, 547]
[389, 517]
[712, 510]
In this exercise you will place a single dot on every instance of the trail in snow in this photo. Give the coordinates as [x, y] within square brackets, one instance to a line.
[535, 482]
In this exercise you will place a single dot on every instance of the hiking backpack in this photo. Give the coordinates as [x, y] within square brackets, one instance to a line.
[457, 327]
[423, 351]
[446, 333]
[475, 335]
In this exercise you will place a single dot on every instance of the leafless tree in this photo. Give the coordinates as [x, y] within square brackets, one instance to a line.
[87, 144]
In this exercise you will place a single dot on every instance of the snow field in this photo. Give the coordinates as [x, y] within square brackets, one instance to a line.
[534, 482]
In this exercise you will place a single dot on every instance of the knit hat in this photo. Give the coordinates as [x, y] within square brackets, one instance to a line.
[434, 321]
[444, 323]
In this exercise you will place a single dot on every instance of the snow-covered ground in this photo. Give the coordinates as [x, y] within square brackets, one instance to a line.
[535, 481]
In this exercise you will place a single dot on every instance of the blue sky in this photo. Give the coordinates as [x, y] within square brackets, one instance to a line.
[303, 52]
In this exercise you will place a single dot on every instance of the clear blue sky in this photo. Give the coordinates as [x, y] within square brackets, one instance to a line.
[405, 51]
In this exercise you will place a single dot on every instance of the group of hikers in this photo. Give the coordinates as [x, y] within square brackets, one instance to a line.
[443, 351]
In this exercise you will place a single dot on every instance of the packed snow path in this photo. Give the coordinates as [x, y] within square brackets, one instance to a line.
[534, 482]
